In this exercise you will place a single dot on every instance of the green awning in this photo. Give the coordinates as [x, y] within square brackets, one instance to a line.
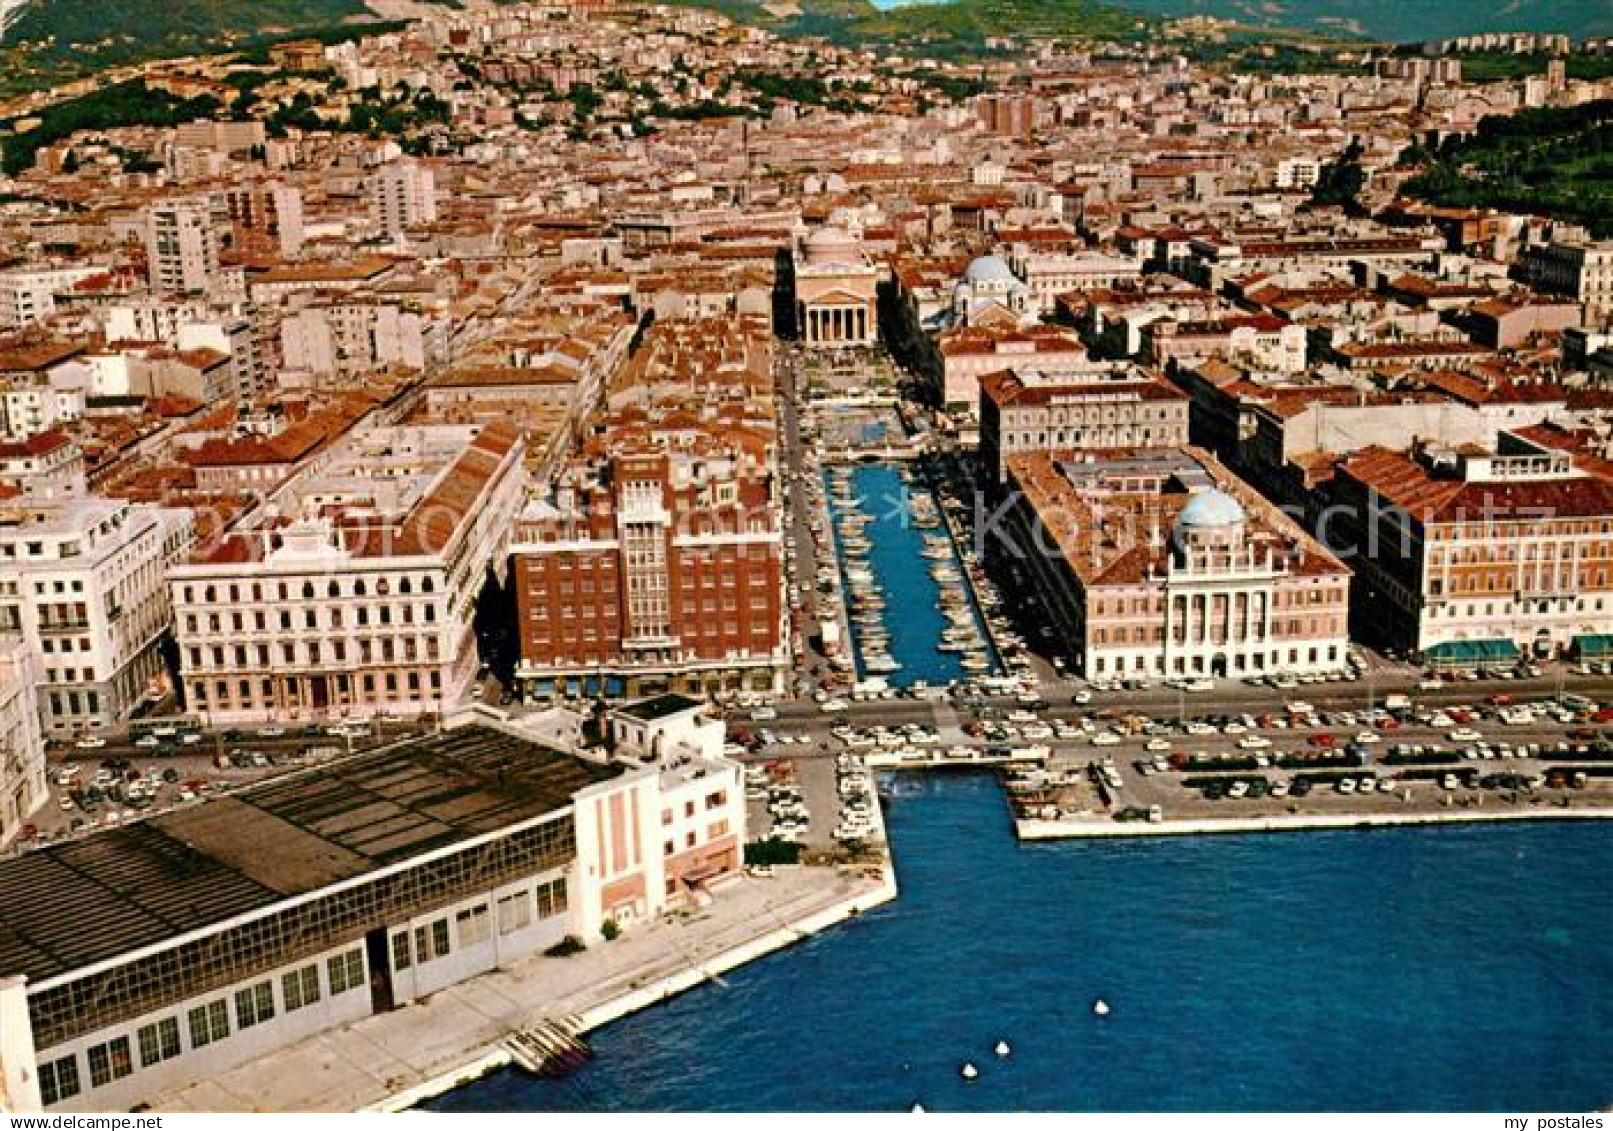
[1472, 653]
[1593, 646]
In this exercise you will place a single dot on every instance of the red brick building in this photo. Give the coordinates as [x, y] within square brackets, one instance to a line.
[648, 572]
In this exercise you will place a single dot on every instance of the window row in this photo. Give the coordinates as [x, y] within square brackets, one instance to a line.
[284, 591]
[207, 1024]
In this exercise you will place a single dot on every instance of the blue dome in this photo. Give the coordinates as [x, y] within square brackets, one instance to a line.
[1211, 508]
[989, 269]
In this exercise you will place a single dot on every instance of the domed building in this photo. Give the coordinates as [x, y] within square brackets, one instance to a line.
[990, 294]
[1158, 563]
[835, 285]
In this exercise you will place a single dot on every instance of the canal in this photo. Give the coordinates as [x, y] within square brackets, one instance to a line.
[895, 503]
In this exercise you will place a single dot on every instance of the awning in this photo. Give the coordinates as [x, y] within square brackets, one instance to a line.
[1472, 653]
[1593, 646]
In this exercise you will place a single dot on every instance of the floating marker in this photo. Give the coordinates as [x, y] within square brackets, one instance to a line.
[917, 1108]
[1003, 1049]
[968, 1071]
[1100, 1007]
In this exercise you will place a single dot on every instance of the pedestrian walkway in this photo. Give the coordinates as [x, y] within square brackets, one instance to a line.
[947, 724]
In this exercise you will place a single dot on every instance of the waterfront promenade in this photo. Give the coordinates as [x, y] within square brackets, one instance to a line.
[392, 1060]
[1078, 829]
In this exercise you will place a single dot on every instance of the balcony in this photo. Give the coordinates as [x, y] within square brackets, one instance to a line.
[56, 624]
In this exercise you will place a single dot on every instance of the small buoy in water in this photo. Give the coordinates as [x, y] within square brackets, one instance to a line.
[968, 1071]
[917, 1108]
[1003, 1049]
[1100, 1007]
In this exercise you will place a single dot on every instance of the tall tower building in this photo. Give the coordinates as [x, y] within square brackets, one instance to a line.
[401, 195]
[181, 246]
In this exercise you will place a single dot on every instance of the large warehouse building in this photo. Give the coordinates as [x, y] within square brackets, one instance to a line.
[139, 960]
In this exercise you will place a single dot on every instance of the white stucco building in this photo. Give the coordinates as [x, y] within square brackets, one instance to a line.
[354, 590]
[84, 581]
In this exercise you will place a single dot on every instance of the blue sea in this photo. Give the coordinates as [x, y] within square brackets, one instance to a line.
[1401, 20]
[1457, 968]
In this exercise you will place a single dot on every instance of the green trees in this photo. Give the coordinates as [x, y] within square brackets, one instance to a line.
[129, 103]
[1341, 181]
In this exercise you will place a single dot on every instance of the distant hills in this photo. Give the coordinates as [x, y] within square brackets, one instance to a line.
[1401, 20]
[46, 41]
[153, 22]
[955, 23]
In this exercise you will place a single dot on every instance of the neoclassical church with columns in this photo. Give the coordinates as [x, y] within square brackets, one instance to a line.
[836, 286]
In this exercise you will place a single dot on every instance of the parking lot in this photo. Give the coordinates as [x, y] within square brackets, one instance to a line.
[1301, 760]
[104, 781]
[819, 798]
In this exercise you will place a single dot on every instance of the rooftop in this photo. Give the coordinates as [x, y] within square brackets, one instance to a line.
[660, 707]
[143, 884]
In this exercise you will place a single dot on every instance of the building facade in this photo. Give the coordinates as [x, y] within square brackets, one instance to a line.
[1161, 564]
[1581, 270]
[657, 572]
[84, 581]
[402, 196]
[1112, 407]
[317, 900]
[354, 592]
[835, 291]
[23, 788]
[1512, 549]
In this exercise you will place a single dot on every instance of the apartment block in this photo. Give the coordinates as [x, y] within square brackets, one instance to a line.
[652, 572]
[84, 581]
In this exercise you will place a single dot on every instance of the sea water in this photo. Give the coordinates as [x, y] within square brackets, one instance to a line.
[1438, 968]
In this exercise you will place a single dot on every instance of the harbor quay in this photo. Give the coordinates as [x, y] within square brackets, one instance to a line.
[392, 1061]
[247, 939]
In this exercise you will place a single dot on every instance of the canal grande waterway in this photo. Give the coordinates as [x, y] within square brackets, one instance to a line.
[912, 615]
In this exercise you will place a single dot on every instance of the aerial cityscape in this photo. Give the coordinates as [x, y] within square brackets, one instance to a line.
[990, 555]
